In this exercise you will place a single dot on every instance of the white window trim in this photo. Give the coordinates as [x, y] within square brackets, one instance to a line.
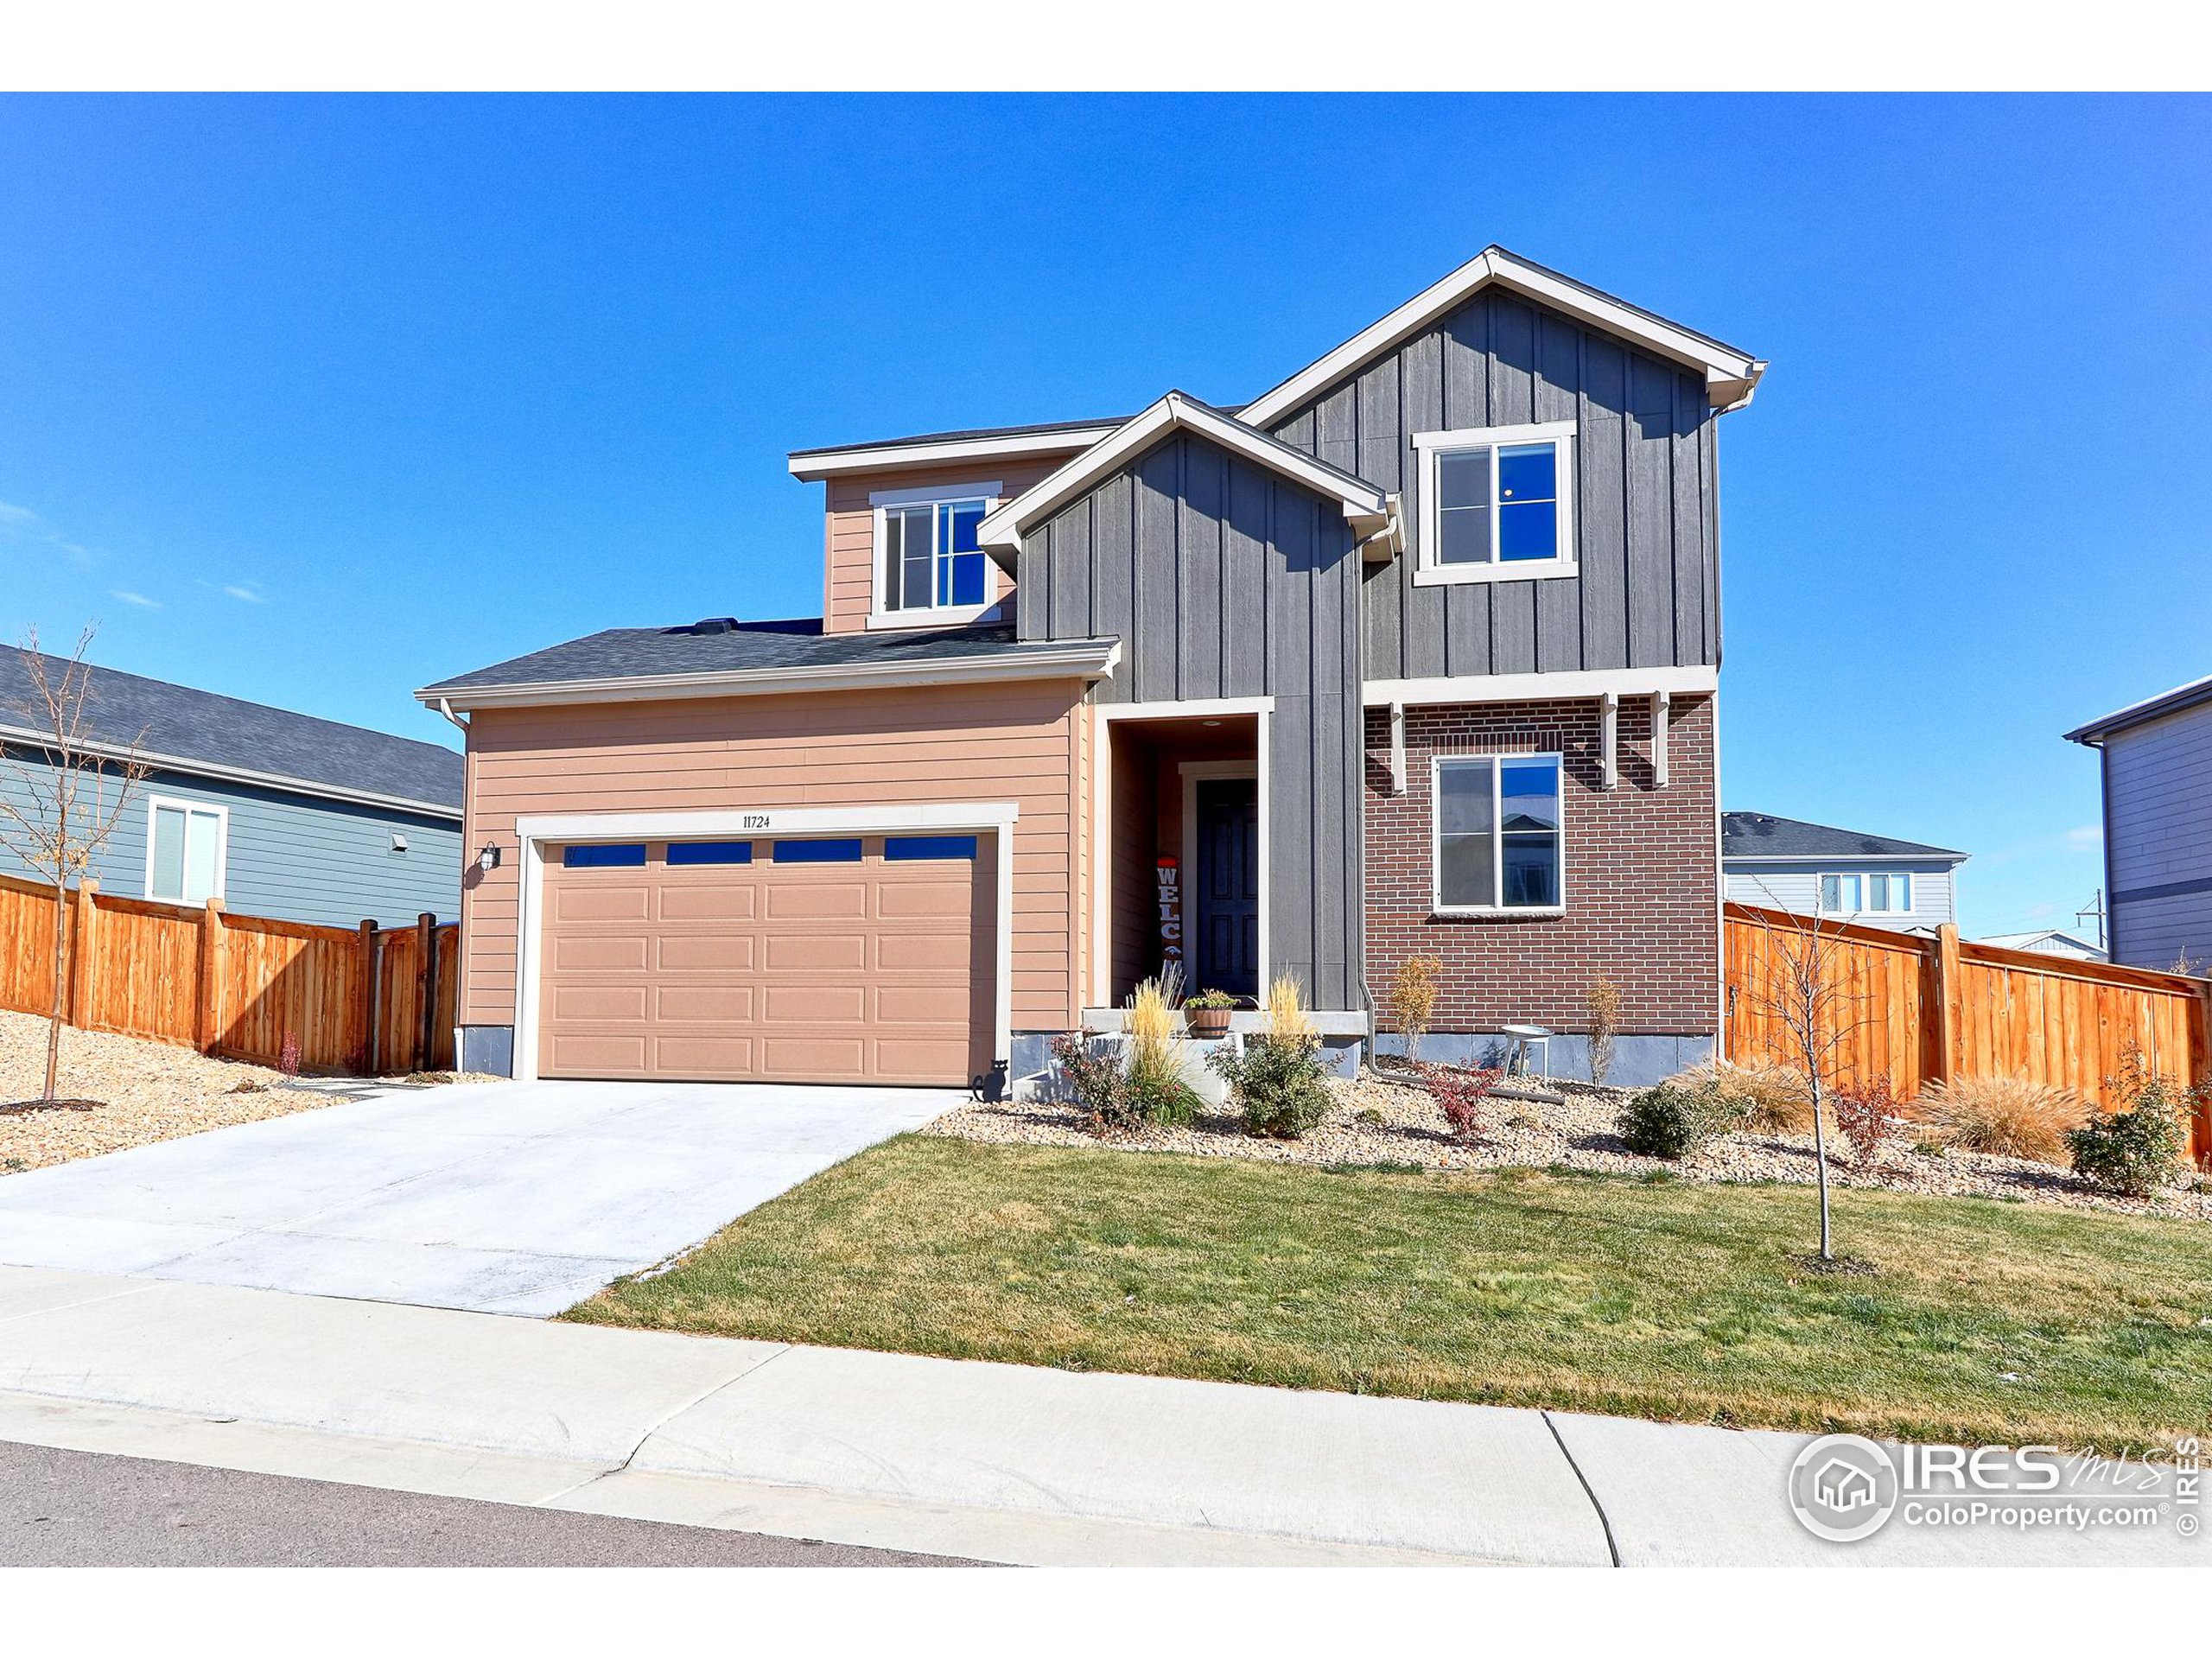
[154, 803]
[1436, 764]
[1865, 878]
[991, 493]
[1427, 572]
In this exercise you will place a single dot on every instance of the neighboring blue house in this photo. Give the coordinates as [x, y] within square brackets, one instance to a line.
[2156, 762]
[275, 813]
[1816, 869]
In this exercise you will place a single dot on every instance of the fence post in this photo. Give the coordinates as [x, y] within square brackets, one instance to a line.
[2200, 1074]
[84, 949]
[1943, 988]
[366, 1009]
[209, 1031]
[426, 980]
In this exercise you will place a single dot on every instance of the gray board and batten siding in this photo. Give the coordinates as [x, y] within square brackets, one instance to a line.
[1646, 592]
[1223, 579]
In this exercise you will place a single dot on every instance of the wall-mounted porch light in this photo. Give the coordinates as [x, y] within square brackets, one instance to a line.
[488, 859]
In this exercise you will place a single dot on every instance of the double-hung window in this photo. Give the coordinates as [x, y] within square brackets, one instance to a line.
[1499, 503]
[186, 845]
[929, 564]
[1879, 892]
[1497, 833]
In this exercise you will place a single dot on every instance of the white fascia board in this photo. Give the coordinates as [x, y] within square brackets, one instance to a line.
[1730, 374]
[1367, 507]
[186, 766]
[712, 822]
[812, 467]
[1845, 862]
[1087, 661]
[1689, 680]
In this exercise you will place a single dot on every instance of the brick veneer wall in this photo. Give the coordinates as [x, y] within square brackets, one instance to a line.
[1641, 881]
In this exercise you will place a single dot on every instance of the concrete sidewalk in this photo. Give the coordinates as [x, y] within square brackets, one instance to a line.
[995, 1462]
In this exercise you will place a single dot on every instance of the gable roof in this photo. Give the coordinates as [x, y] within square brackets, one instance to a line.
[2167, 702]
[720, 657]
[2042, 935]
[1761, 835]
[1731, 374]
[206, 734]
[1367, 507]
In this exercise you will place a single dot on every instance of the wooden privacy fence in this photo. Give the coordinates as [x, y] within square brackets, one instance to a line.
[1919, 1010]
[362, 1000]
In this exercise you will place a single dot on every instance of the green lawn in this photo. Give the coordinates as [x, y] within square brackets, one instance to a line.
[1607, 1295]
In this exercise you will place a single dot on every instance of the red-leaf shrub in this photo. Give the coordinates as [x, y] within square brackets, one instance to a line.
[1864, 1115]
[1462, 1094]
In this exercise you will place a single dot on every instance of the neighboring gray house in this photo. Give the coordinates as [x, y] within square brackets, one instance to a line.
[2047, 942]
[1816, 869]
[2156, 758]
[275, 813]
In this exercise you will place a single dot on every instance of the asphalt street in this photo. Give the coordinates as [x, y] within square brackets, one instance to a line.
[82, 1509]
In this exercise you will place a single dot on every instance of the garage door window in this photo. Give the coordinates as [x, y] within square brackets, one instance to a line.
[819, 852]
[897, 848]
[710, 852]
[625, 856]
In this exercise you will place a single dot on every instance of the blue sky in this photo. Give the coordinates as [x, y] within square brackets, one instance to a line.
[313, 401]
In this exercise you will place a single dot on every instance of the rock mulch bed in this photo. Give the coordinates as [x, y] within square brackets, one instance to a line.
[1376, 1122]
[147, 1091]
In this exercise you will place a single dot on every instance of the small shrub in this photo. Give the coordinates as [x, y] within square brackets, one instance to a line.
[1413, 1000]
[1369, 1116]
[1762, 1099]
[1928, 1145]
[1863, 1116]
[1605, 1010]
[1096, 1083]
[287, 1055]
[1462, 1094]
[1210, 1000]
[2136, 1151]
[1666, 1120]
[2012, 1117]
[1278, 1083]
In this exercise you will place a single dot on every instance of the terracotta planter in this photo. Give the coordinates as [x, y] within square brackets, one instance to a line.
[1208, 1022]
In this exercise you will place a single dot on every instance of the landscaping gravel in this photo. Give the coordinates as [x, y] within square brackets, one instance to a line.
[1407, 1129]
[147, 1091]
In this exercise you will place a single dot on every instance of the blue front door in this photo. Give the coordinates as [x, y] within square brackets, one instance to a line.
[1225, 883]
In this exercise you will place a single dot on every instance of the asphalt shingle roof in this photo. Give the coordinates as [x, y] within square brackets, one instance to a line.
[1761, 835]
[720, 645]
[185, 725]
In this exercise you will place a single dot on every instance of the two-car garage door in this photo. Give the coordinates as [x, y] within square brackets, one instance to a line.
[821, 959]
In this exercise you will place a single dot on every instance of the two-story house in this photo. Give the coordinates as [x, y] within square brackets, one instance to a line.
[2155, 767]
[1816, 869]
[1414, 654]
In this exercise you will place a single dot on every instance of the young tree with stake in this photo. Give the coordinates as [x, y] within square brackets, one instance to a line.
[56, 816]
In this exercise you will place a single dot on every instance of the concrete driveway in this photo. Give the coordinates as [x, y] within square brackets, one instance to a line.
[511, 1198]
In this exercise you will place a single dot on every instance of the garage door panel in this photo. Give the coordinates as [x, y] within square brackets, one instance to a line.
[735, 903]
[624, 902]
[724, 1004]
[695, 953]
[585, 1001]
[873, 971]
[805, 952]
[597, 953]
[798, 899]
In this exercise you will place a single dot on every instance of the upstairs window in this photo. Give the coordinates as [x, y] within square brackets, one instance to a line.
[186, 849]
[1499, 503]
[929, 564]
[1880, 893]
[1497, 834]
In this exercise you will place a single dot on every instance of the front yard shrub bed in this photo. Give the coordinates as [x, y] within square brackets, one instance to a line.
[1983, 1322]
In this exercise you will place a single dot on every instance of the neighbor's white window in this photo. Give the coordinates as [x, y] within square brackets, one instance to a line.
[1497, 827]
[1497, 503]
[930, 565]
[186, 845]
[1887, 892]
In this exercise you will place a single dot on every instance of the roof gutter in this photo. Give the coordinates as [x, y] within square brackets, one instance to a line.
[277, 780]
[1090, 660]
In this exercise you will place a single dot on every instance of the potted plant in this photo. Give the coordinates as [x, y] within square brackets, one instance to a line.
[1207, 1013]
